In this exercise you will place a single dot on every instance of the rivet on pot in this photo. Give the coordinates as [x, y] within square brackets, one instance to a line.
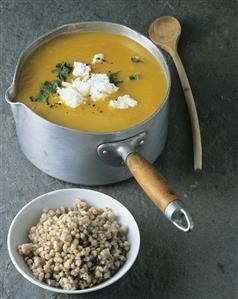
[142, 142]
[105, 152]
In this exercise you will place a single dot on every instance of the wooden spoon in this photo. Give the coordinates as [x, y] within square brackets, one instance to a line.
[165, 32]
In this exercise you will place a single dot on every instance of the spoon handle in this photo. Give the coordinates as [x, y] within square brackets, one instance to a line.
[197, 144]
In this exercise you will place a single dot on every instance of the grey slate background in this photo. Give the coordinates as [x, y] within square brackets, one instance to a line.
[170, 264]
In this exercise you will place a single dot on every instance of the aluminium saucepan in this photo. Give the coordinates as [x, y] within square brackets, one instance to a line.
[91, 158]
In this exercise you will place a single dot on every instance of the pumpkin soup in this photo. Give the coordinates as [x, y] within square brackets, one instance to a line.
[93, 81]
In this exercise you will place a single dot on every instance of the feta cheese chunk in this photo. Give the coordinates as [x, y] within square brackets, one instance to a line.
[96, 86]
[65, 84]
[101, 86]
[70, 96]
[98, 58]
[81, 70]
[123, 102]
[83, 87]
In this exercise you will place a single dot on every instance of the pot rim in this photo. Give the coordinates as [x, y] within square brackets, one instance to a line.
[41, 39]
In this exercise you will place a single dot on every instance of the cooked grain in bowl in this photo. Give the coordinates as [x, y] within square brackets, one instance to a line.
[75, 248]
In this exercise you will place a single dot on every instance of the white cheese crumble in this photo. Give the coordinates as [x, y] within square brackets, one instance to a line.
[123, 102]
[70, 96]
[98, 58]
[66, 84]
[83, 87]
[81, 70]
[95, 86]
[101, 87]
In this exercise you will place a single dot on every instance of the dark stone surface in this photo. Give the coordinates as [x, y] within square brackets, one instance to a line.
[170, 264]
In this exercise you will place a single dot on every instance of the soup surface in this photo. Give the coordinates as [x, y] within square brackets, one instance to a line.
[148, 83]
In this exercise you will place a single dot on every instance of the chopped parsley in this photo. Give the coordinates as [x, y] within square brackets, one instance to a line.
[40, 98]
[47, 89]
[113, 78]
[63, 70]
[136, 59]
[134, 77]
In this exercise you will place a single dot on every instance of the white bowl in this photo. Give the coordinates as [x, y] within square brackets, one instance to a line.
[29, 216]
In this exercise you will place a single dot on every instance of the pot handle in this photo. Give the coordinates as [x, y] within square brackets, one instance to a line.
[159, 191]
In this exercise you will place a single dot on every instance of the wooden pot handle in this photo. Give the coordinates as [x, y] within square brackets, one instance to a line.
[148, 177]
[159, 191]
[151, 181]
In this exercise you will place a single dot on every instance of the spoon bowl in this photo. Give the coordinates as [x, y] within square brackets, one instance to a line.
[165, 30]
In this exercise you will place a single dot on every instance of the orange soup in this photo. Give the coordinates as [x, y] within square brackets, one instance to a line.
[134, 70]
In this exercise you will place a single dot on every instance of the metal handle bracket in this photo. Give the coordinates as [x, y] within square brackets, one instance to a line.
[115, 153]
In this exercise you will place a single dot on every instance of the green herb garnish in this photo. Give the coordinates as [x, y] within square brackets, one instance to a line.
[113, 78]
[136, 59]
[40, 98]
[134, 77]
[47, 89]
[63, 70]
[50, 87]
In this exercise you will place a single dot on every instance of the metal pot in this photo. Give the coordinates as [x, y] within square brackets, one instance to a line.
[90, 158]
